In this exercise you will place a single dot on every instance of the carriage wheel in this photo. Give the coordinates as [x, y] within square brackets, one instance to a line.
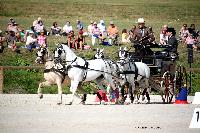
[169, 87]
[181, 76]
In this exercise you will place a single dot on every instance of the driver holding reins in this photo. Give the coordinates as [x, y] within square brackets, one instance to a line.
[142, 34]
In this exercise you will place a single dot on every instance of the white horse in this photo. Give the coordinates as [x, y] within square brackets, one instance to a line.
[132, 72]
[99, 54]
[53, 74]
[80, 70]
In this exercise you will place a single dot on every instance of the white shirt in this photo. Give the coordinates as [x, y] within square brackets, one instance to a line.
[67, 28]
[30, 40]
[102, 27]
[90, 27]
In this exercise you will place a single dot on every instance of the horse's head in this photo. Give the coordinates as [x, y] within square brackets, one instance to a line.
[41, 54]
[123, 53]
[99, 54]
[59, 53]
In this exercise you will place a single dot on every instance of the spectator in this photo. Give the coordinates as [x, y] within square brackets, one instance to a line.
[190, 41]
[79, 25]
[71, 39]
[79, 43]
[42, 39]
[113, 34]
[183, 33]
[11, 41]
[192, 31]
[2, 40]
[39, 27]
[31, 41]
[95, 34]
[55, 29]
[131, 31]
[18, 32]
[12, 21]
[90, 27]
[35, 22]
[125, 36]
[163, 36]
[67, 29]
[103, 31]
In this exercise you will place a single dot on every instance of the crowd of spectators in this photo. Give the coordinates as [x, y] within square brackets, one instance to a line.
[36, 36]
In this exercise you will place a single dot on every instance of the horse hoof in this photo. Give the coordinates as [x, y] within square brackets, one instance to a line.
[127, 103]
[143, 98]
[82, 102]
[148, 102]
[102, 103]
[40, 95]
[59, 103]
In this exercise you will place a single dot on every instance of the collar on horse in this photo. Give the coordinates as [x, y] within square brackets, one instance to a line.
[61, 71]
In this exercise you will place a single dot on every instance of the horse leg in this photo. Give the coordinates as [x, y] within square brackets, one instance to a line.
[46, 83]
[148, 90]
[59, 84]
[83, 98]
[127, 88]
[131, 92]
[73, 88]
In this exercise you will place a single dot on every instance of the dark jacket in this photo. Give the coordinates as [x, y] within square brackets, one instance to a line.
[146, 37]
[173, 43]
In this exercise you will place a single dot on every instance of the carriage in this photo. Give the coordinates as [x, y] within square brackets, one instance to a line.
[165, 77]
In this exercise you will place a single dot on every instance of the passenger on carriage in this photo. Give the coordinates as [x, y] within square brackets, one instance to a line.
[113, 34]
[172, 41]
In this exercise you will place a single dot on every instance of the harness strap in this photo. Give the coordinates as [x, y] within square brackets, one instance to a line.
[136, 71]
[61, 71]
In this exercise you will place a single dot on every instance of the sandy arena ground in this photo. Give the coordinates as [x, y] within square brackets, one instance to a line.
[29, 114]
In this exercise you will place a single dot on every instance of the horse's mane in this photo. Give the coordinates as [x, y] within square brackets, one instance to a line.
[66, 48]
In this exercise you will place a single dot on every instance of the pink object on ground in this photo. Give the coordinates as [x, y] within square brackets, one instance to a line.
[103, 95]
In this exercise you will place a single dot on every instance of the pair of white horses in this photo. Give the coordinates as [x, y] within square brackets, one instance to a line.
[80, 70]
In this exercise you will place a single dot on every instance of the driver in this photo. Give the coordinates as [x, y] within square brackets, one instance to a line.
[142, 34]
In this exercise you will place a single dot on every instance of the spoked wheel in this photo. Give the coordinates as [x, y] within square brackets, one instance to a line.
[168, 85]
[181, 76]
